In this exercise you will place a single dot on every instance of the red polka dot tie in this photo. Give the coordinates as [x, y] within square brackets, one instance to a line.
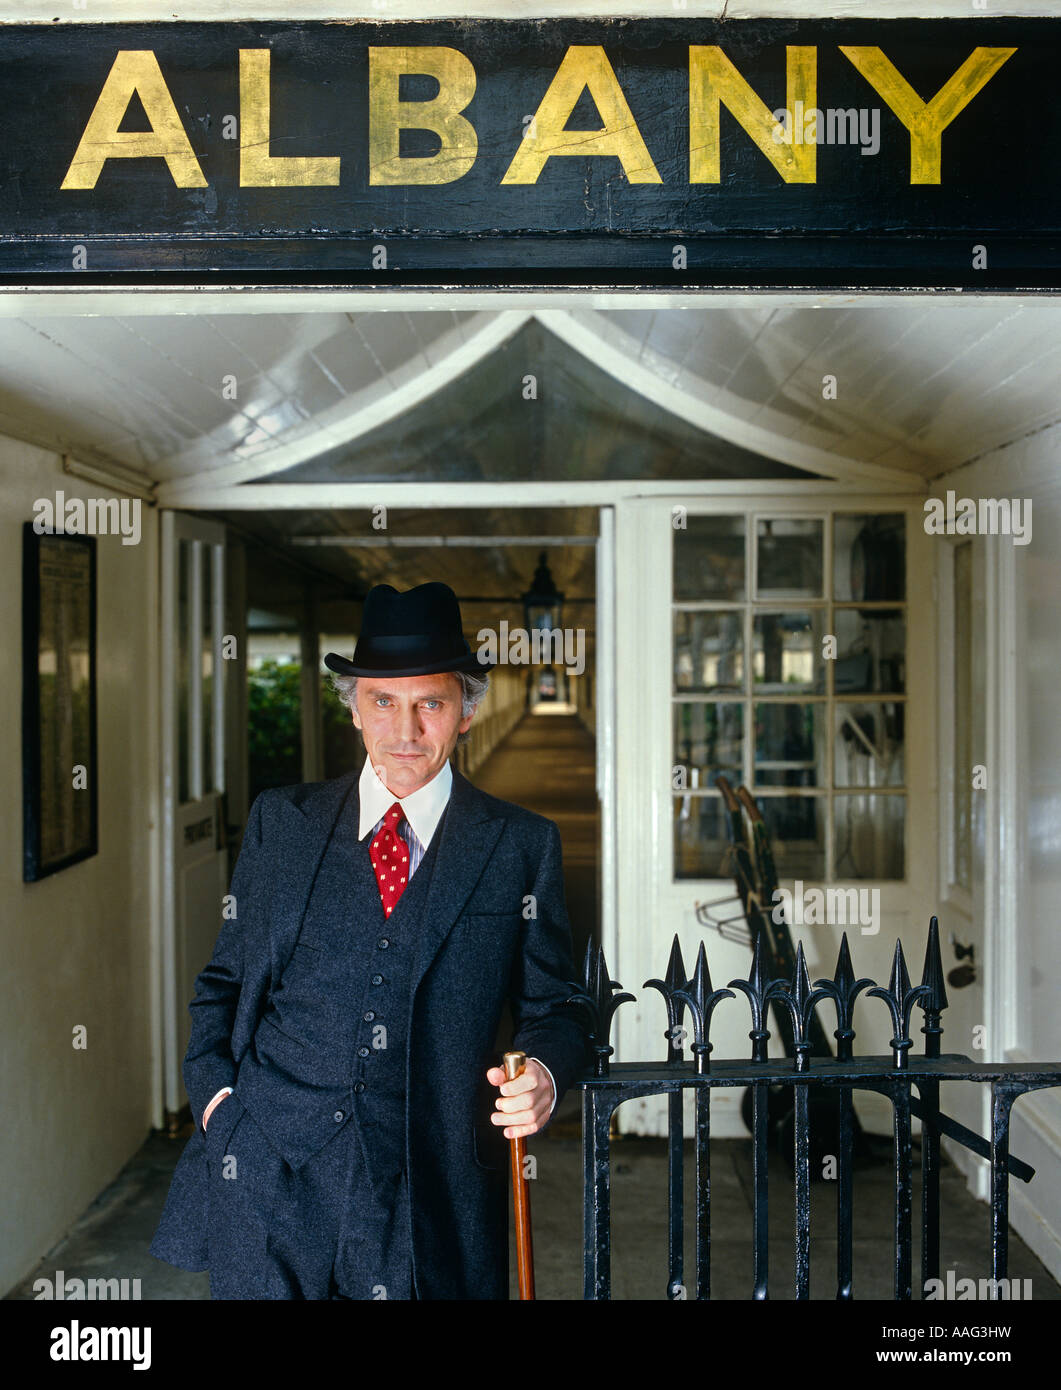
[390, 859]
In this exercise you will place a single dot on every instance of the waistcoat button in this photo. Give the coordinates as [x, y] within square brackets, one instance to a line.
[369, 1016]
[377, 979]
[359, 1087]
[383, 943]
[362, 1051]
[337, 1116]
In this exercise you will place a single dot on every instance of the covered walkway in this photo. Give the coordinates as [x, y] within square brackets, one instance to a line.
[547, 765]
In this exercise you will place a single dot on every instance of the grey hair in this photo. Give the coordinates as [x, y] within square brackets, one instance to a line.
[473, 690]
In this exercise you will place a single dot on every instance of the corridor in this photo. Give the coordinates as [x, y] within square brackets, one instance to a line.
[547, 765]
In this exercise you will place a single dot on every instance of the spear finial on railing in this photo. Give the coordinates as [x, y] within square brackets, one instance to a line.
[600, 1001]
[900, 999]
[702, 1001]
[669, 987]
[755, 987]
[935, 1001]
[843, 989]
[799, 999]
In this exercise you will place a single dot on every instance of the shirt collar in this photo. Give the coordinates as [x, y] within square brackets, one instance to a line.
[422, 808]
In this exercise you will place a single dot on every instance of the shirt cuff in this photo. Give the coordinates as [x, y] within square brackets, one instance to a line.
[551, 1080]
[224, 1091]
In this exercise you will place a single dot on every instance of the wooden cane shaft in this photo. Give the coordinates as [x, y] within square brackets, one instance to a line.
[521, 1204]
[515, 1062]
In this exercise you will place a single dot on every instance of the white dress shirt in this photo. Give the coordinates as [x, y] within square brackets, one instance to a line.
[423, 810]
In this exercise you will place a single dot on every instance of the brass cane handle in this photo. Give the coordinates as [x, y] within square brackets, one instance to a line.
[515, 1062]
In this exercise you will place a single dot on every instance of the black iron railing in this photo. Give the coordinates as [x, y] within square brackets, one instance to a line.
[809, 1087]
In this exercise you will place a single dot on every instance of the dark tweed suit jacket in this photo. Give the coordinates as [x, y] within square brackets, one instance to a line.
[476, 949]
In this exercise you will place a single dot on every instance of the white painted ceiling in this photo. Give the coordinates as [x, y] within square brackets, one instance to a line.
[922, 386]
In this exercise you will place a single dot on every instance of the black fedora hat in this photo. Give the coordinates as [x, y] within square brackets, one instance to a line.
[418, 633]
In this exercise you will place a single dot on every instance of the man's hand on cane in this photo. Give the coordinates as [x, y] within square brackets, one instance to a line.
[525, 1104]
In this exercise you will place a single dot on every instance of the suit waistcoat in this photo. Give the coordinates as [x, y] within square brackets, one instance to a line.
[331, 1048]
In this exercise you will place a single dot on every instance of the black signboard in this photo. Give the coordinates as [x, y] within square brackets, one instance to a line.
[611, 152]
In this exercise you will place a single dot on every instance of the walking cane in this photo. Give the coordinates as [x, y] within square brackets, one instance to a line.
[515, 1064]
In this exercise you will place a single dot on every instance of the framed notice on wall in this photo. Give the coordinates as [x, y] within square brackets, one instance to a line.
[60, 810]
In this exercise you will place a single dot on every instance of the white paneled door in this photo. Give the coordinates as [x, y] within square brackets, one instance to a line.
[194, 858]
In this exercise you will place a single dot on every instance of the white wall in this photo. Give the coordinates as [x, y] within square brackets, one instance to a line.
[1016, 892]
[76, 946]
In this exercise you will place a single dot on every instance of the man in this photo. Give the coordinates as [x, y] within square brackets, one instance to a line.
[348, 1138]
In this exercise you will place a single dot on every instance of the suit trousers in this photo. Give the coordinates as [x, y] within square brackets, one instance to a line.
[322, 1231]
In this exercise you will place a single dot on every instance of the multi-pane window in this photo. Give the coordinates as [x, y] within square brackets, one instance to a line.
[789, 670]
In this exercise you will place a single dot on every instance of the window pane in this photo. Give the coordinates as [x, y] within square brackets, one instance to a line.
[700, 837]
[870, 651]
[787, 651]
[870, 836]
[808, 732]
[869, 745]
[709, 652]
[790, 558]
[789, 745]
[869, 557]
[709, 558]
[797, 825]
[708, 739]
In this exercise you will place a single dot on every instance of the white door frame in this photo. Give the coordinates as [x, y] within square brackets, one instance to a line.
[605, 730]
[654, 905]
[177, 527]
[436, 497]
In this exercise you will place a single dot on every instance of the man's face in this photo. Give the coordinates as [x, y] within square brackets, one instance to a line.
[410, 726]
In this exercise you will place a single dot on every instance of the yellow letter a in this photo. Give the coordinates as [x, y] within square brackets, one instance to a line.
[134, 71]
[583, 66]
